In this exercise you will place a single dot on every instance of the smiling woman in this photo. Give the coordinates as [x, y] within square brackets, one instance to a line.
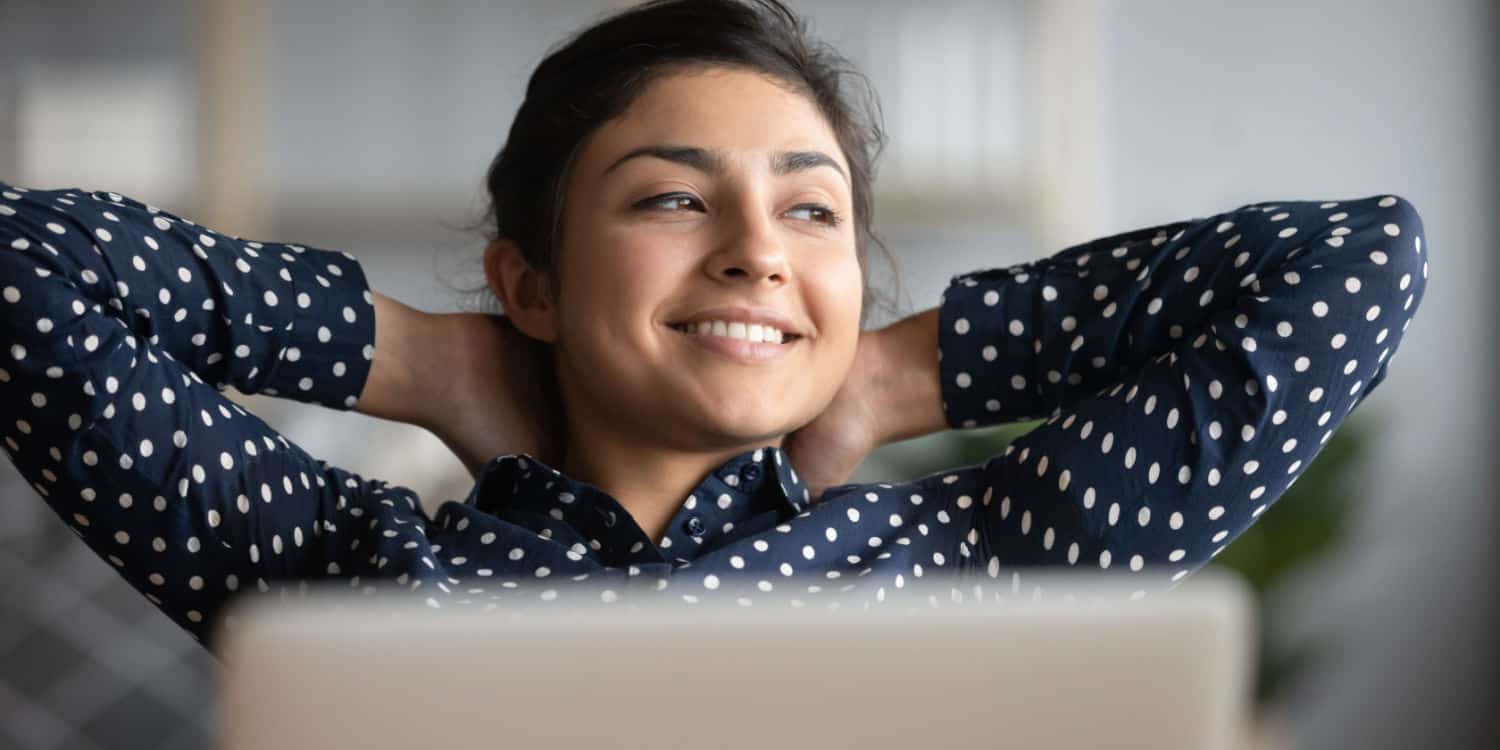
[680, 384]
[713, 199]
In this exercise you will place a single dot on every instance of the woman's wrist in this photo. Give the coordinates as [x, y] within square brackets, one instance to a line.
[901, 361]
[403, 381]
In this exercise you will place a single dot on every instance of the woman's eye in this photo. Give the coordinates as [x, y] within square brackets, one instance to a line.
[820, 213]
[669, 201]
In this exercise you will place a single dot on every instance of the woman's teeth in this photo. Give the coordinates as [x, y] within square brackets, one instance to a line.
[735, 330]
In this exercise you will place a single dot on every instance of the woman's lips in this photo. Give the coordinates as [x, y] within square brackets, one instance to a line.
[740, 350]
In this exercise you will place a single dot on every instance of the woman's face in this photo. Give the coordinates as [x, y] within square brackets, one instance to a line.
[714, 197]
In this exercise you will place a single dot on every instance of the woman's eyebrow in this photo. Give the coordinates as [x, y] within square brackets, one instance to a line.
[711, 161]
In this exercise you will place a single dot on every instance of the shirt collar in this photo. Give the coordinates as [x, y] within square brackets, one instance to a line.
[522, 489]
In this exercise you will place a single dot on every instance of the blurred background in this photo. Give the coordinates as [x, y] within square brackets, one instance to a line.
[1016, 127]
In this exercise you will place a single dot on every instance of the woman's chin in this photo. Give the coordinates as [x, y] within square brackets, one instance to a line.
[758, 427]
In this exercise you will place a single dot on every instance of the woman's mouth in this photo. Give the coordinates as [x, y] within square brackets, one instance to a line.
[752, 332]
[742, 342]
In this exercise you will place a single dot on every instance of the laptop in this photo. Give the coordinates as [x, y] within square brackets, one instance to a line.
[943, 665]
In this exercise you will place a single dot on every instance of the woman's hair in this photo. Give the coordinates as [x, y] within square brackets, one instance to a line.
[595, 76]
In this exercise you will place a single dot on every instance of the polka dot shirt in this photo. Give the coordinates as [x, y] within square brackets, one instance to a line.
[1187, 374]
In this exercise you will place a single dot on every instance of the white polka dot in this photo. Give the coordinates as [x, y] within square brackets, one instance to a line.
[1392, 230]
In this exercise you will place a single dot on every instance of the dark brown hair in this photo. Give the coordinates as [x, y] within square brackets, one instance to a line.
[594, 76]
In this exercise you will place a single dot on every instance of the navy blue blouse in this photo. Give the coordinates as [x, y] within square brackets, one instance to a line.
[1187, 373]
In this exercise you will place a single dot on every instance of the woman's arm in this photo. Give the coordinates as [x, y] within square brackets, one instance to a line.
[411, 354]
[120, 324]
[1190, 373]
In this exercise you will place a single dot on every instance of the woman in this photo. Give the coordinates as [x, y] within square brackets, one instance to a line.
[681, 214]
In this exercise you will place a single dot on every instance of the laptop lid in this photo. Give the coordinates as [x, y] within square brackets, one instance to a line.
[937, 666]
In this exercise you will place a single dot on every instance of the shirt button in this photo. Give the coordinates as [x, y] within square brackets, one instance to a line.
[750, 473]
[695, 526]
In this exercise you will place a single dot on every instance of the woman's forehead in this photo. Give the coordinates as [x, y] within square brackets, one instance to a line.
[734, 114]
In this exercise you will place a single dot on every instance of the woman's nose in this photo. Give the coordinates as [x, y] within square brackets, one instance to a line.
[751, 248]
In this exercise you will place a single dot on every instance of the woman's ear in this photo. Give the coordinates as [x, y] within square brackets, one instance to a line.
[524, 292]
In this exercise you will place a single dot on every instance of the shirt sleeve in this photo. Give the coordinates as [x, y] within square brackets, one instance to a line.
[1188, 373]
[121, 324]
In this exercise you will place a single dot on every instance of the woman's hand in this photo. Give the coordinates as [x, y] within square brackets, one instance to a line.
[828, 449]
[499, 394]
[891, 393]
[472, 379]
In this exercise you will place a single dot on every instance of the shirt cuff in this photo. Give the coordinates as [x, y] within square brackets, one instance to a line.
[975, 335]
[330, 343]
